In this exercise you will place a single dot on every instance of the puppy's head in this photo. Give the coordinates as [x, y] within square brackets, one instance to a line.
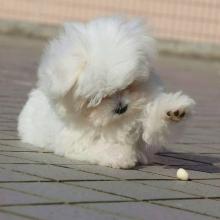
[99, 68]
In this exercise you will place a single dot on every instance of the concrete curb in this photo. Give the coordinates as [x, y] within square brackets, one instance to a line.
[45, 31]
[198, 50]
[27, 29]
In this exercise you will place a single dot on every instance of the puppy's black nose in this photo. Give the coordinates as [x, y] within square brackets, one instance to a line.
[121, 109]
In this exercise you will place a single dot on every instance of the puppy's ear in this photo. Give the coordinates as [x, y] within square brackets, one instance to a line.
[63, 61]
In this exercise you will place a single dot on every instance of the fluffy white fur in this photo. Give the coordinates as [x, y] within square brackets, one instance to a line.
[86, 76]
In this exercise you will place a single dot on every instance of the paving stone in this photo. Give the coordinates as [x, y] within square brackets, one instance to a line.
[5, 148]
[7, 159]
[192, 148]
[48, 158]
[64, 212]
[209, 182]
[171, 161]
[202, 206]
[10, 216]
[118, 173]
[17, 145]
[143, 211]
[213, 159]
[133, 190]
[188, 187]
[10, 176]
[60, 192]
[196, 171]
[9, 197]
[54, 172]
[7, 136]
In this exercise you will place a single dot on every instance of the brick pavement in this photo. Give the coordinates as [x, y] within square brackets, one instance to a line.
[40, 185]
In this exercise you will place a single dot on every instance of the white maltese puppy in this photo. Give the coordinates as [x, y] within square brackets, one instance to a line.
[97, 98]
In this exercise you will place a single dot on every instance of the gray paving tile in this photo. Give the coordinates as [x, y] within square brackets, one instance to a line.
[8, 136]
[17, 145]
[64, 212]
[133, 190]
[60, 192]
[213, 158]
[159, 169]
[143, 211]
[48, 158]
[10, 216]
[192, 148]
[209, 182]
[9, 132]
[9, 197]
[118, 173]
[53, 172]
[7, 176]
[7, 159]
[188, 187]
[195, 171]
[171, 161]
[202, 206]
[204, 171]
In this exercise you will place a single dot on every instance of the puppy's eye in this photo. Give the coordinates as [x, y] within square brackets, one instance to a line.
[120, 109]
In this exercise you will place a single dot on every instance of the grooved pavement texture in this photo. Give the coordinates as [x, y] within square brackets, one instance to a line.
[36, 184]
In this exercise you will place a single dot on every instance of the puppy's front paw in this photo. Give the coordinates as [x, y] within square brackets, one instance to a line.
[176, 115]
[120, 162]
[179, 107]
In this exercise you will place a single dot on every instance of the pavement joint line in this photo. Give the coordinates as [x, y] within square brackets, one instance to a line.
[149, 202]
[175, 190]
[33, 204]
[18, 214]
[120, 180]
[36, 161]
[28, 193]
[97, 190]
[29, 181]
[202, 162]
[37, 195]
[80, 205]
[188, 210]
[97, 202]
[23, 163]
[86, 187]
[207, 184]
[9, 139]
[193, 160]
[218, 153]
[154, 202]
[174, 178]
[101, 180]
[191, 143]
[14, 146]
[17, 171]
[20, 151]
[72, 180]
[31, 160]
[117, 178]
[108, 212]
[31, 163]
[60, 165]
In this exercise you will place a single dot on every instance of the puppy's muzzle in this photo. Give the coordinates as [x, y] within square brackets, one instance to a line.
[120, 109]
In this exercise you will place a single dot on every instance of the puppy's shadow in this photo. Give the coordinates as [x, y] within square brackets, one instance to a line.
[203, 162]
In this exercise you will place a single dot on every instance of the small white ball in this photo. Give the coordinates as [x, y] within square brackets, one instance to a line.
[182, 174]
